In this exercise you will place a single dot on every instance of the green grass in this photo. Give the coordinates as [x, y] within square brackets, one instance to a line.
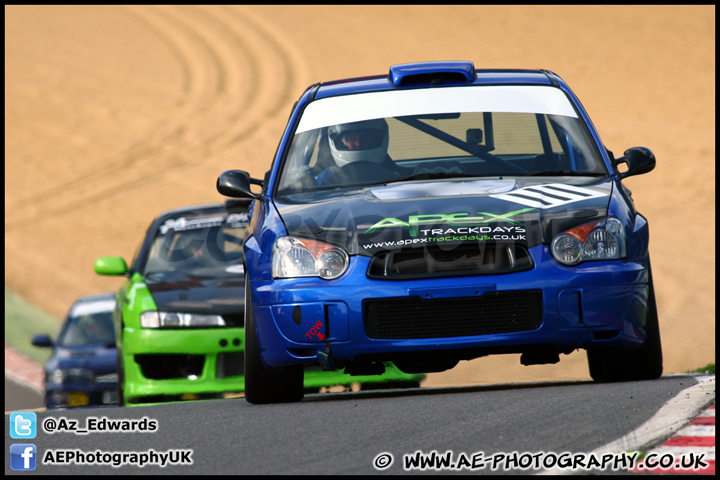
[22, 321]
[709, 368]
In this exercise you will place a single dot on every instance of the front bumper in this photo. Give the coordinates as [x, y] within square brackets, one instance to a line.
[593, 304]
[80, 395]
[166, 363]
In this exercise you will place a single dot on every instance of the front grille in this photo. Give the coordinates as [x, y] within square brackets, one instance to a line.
[474, 259]
[165, 366]
[234, 321]
[230, 364]
[413, 317]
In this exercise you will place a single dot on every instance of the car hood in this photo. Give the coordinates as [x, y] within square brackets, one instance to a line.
[390, 217]
[217, 294]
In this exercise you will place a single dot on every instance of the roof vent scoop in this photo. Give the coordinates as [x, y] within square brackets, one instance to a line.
[432, 72]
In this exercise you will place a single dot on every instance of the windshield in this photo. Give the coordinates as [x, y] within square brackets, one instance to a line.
[516, 131]
[89, 324]
[203, 245]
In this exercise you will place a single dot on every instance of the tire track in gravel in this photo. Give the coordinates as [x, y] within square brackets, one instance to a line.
[180, 47]
[231, 90]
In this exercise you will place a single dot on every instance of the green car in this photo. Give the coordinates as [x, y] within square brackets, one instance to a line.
[179, 318]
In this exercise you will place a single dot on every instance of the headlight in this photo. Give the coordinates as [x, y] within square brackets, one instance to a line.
[300, 257]
[600, 240]
[66, 376]
[107, 378]
[153, 319]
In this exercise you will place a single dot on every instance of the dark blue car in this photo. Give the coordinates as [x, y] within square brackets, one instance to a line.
[442, 213]
[82, 369]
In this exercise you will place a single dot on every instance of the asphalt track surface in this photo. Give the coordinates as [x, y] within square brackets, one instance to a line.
[19, 396]
[345, 433]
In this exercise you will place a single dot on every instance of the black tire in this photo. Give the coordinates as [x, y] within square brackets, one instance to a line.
[263, 385]
[120, 380]
[608, 364]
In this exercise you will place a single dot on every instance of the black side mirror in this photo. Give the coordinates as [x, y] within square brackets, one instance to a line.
[236, 184]
[638, 159]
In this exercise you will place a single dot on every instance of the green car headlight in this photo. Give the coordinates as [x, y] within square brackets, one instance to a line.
[153, 319]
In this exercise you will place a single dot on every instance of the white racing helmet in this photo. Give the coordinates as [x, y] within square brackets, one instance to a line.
[364, 141]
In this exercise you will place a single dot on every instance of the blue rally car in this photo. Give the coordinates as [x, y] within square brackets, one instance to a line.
[443, 213]
[82, 370]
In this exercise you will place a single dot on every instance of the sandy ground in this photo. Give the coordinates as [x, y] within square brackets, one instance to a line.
[116, 113]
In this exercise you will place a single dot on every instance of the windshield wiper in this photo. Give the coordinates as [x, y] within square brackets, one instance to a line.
[431, 176]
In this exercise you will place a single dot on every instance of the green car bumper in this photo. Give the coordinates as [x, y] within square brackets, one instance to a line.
[167, 363]
[161, 365]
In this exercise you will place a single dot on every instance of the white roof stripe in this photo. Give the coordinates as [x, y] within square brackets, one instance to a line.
[397, 103]
[93, 307]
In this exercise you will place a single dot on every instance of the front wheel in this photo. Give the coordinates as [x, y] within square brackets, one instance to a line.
[120, 380]
[261, 384]
[611, 364]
